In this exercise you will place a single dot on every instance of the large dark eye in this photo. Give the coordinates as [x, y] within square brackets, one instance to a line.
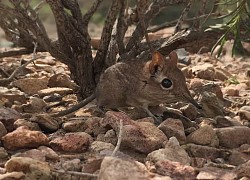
[166, 83]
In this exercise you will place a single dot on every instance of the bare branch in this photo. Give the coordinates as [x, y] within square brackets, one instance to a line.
[106, 36]
[155, 8]
[119, 137]
[17, 70]
[91, 11]
[81, 174]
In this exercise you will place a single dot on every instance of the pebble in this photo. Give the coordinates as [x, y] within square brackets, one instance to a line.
[22, 137]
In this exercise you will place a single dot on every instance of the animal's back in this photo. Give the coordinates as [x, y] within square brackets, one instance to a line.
[115, 82]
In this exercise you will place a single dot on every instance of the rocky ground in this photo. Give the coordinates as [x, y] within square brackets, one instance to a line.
[211, 143]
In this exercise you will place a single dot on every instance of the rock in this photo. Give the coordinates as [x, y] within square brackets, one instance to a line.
[204, 71]
[222, 74]
[243, 170]
[173, 152]
[12, 95]
[59, 90]
[113, 168]
[52, 97]
[233, 137]
[175, 170]
[12, 176]
[224, 121]
[92, 165]
[244, 113]
[48, 59]
[231, 91]
[35, 105]
[189, 111]
[75, 125]
[94, 127]
[33, 169]
[211, 107]
[49, 153]
[31, 125]
[216, 173]
[46, 122]
[8, 116]
[173, 128]
[62, 80]
[72, 142]
[140, 136]
[196, 83]
[32, 153]
[203, 136]
[72, 165]
[24, 138]
[207, 152]
[31, 85]
[3, 153]
[109, 137]
[187, 72]
[3, 130]
[98, 146]
[237, 158]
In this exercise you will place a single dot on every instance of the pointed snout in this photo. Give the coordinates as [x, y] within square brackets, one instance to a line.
[192, 101]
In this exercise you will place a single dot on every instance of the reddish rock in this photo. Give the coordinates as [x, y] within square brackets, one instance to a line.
[175, 170]
[8, 116]
[24, 138]
[72, 142]
[173, 128]
[140, 136]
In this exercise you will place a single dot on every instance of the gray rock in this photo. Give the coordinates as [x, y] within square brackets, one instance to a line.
[3, 130]
[207, 152]
[46, 123]
[98, 146]
[173, 128]
[216, 173]
[31, 85]
[172, 151]
[233, 137]
[33, 169]
[114, 168]
[75, 126]
[204, 136]
[175, 170]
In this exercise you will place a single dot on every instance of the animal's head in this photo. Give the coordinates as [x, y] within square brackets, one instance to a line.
[166, 81]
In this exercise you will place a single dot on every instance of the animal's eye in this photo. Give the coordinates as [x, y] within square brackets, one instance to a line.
[166, 83]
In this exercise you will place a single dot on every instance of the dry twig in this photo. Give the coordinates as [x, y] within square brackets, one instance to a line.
[119, 137]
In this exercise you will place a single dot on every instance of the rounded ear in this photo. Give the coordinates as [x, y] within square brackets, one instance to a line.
[173, 58]
[157, 63]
